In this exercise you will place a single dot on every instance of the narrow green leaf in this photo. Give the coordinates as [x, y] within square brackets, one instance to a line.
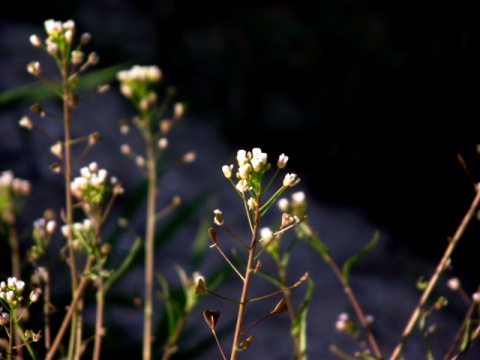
[465, 345]
[38, 91]
[350, 262]
[299, 327]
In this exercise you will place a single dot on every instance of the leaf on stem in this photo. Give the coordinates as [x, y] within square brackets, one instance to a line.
[349, 263]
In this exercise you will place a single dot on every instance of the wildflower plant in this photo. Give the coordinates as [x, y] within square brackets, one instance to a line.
[90, 194]
[85, 252]
[13, 306]
[252, 190]
[153, 124]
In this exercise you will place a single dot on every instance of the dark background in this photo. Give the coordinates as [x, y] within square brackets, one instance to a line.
[373, 101]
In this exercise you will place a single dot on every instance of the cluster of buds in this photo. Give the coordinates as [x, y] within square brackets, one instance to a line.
[137, 84]
[296, 206]
[8, 182]
[11, 291]
[59, 44]
[252, 166]
[81, 232]
[92, 186]
[10, 190]
[42, 233]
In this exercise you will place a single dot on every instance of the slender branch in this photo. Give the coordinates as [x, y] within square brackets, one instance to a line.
[246, 285]
[149, 245]
[71, 309]
[438, 271]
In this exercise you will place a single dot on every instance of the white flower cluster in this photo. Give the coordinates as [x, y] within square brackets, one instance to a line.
[56, 31]
[18, 186]
[11, 291]
[91, 177]
[81, 232]
[92, 183]
[254, 162]
[141, 74]
[56, 28]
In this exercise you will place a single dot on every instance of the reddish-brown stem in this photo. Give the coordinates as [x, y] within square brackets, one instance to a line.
[246, 284]
[71, 310]
[436, 275]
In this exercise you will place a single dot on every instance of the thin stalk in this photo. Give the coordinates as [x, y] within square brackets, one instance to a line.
[350, 294]
[46, 307]
[14, 246]
[246, 285]
[71, 310]
[149, 245]
[357, 308]
[100, 292]
[438, 271]
[99, 319]
[16, 272]
[171, 346]
[282, 273]
[67, 164]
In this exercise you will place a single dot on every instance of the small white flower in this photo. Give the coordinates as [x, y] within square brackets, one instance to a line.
[227, 171]
[282, 161]
[65, 229]
[56, 149]
[50, 226]
[291, 180]
[242, 186]
[34, 68]
[218, 218]
[26, 123]
[68, 25]
[252, 204]
[265, 232]
[85, 38]
[34, 296]
[244, 171]
[77, 57]
[453, 284]
[125, 149]
[140, 161]
[162, 143]
[283, 204]
[178, 110]
[36, 40]
[53, 27]
[476, 298]
[241, 157]
[10, 296]
[189, 157]
[69, 36]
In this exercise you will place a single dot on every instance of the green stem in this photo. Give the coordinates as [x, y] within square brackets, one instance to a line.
[99, 319]
[149, 245]
[67, 163]
[282, 273]
[100, 289]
